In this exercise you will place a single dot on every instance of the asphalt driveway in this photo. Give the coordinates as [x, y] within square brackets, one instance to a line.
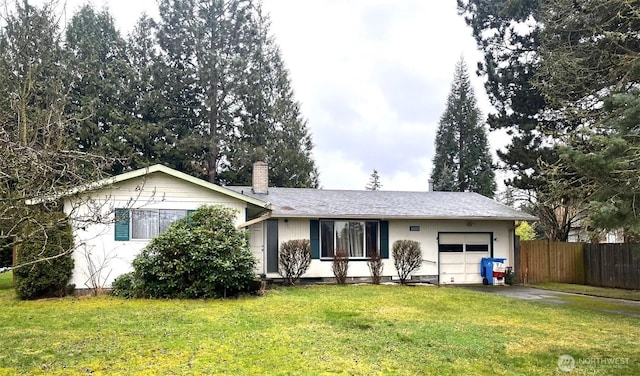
[620, 306]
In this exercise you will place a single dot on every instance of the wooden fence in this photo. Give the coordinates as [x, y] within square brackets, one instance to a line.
[606, 265]
[613, 265]
[545, 261]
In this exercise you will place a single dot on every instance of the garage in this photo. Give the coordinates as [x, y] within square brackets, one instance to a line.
[460, 254]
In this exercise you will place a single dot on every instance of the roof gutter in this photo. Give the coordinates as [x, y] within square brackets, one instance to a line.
[405, 217]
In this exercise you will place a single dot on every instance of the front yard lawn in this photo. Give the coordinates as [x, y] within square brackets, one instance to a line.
[358, 329]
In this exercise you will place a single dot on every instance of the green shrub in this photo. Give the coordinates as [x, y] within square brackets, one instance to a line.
[43, 257]
[200, 256]
[407, 257]
[294, 259]
[123, 286]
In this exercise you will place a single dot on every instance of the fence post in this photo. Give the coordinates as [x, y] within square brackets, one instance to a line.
[548, 251]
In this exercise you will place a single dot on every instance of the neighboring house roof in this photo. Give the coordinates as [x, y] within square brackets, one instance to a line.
[105, 183]
[320, 203]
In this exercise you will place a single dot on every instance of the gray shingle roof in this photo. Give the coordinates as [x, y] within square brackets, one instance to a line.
[320, 203]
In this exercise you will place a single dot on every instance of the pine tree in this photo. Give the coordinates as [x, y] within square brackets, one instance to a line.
[508, 32]
[374, 182]
[462, 160]
[510, 63]
[589, 71]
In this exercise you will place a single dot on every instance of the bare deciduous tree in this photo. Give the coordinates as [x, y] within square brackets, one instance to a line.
[375, 266]
[294, 259]
[340, 266]
[407, 257]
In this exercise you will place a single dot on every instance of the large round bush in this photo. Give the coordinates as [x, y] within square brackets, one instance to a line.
[200, 256]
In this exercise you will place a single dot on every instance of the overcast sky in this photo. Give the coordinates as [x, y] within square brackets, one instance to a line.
[372, 77]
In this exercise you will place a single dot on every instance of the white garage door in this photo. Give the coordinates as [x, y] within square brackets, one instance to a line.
[460, 255]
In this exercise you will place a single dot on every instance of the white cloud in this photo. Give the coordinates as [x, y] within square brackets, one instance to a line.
[402, 180]
[338, 172]
[373, 78]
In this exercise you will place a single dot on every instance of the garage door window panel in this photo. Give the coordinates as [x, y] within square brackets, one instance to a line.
[477, 247]
[450, 247]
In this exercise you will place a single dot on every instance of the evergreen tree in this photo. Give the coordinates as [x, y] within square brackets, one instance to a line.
[271, 128]
[510, 62]
[206, 46]
[462, 161]
[589, 70]
[227, 97]
[374, 182]
[38, 157]
[589, 51]
[508, 33]
[99, 71]
[146, 139]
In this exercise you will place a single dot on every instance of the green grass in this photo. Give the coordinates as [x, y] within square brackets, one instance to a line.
[311, 330]
[590, 290]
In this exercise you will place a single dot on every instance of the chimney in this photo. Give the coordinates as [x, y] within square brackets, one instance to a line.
[260, 179]
[430, 185]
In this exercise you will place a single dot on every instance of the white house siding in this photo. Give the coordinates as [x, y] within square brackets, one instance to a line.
[256, 243]
[289, 229]
[96, 247]
[427, 237]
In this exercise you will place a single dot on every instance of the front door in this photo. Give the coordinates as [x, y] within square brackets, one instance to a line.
[272, 245]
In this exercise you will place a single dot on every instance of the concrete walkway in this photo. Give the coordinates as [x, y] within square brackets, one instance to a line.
[621, 306]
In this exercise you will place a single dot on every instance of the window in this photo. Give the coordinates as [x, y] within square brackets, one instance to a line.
[357, 238]
[477, 247]
[464, 242]
[450, 247]
[147, 223]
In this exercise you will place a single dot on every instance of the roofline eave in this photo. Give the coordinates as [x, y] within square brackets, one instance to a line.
[401, 217]
[113, 180]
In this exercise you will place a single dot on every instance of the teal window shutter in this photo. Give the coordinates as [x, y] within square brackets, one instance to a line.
[122, 224]
[384, 239]
[314, 227]
[189, 221]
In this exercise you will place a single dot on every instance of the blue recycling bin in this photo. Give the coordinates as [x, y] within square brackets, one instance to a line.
[486, 269]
